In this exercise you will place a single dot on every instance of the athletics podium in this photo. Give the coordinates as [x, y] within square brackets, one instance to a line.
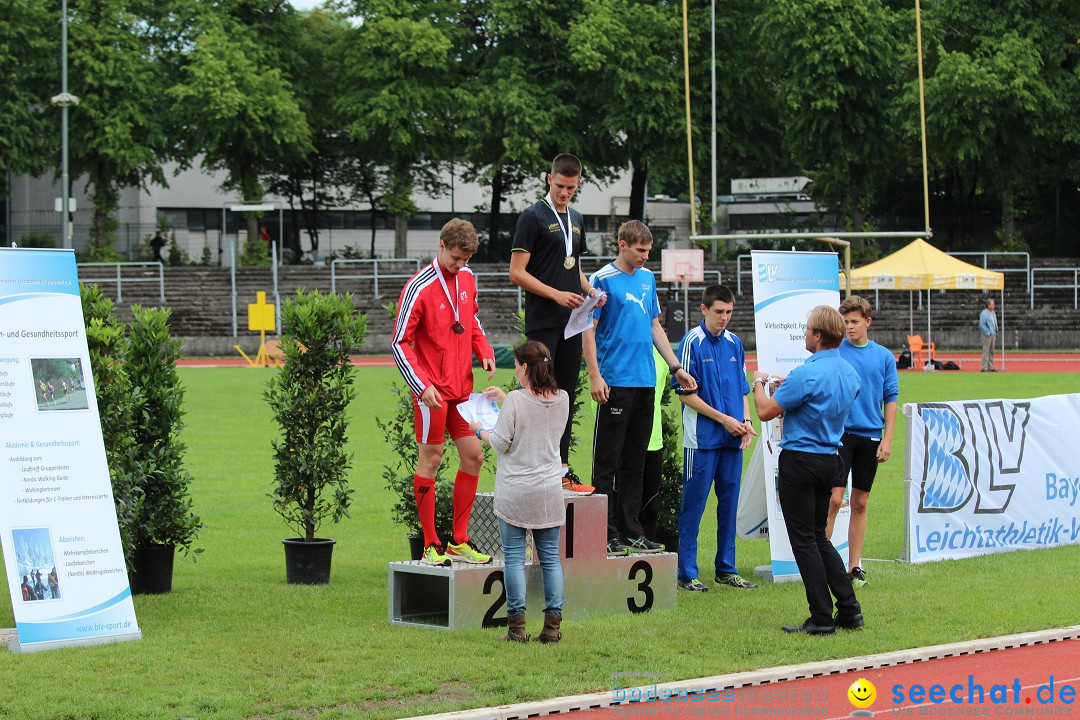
[469, 596]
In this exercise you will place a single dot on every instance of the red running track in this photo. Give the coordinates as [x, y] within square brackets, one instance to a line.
[969, 362]
[1022, 677]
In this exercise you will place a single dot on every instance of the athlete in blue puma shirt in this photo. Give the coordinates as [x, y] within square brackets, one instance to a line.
[622, 380]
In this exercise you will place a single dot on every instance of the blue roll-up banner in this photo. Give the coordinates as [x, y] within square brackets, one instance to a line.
[787, 286]
[62, 550]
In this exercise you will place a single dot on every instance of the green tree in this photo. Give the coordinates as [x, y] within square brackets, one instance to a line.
[239, 108]
[631, 51]
[328, 175]
[29, 72]
[1000, 96]
[835, 64]
[520, 100]
[120, 130]
[397, 90]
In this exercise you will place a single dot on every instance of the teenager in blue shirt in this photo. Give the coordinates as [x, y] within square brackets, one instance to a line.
[814, 400]
[868, 432]
[622, 379]
[716, 430]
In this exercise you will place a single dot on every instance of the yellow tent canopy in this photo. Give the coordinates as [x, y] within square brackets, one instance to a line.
[921, 266]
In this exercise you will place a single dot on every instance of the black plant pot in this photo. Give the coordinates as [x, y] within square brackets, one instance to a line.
[416, 546]
[152, 569]
[308, 563]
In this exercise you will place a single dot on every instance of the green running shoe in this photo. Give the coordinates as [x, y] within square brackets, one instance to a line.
[434, 555]
[467, 552]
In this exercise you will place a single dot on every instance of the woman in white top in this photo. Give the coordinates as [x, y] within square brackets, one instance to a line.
[528, 484]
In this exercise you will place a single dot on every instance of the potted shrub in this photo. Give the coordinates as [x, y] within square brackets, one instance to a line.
[309, 398]
[671, 476]
[106, 338]
[164, 520]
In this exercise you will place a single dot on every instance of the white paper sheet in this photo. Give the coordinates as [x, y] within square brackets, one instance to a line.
[581, 319]
[480, 408]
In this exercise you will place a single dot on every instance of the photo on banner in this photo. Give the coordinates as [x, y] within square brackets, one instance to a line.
[64, 560]
[787, 286]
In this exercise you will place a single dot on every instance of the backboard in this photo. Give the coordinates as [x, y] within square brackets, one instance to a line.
[684, 266]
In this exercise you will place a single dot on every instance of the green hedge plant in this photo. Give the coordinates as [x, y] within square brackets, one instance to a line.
[165, 516]
[117, 400]
[309, 398]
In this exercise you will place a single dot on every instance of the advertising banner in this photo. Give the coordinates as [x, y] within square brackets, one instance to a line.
[787, 285]
[65, 564]
[988, 476]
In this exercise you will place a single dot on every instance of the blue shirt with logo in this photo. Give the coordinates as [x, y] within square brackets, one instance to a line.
[718, 363]
[624, 326]
[817, 397]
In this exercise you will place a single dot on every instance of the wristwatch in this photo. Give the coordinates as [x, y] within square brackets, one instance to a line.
[756, 381]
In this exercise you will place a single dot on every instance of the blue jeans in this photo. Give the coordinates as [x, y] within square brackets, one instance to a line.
[547, 549]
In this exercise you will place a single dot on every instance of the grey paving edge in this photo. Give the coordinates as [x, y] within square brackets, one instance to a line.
[556, 706]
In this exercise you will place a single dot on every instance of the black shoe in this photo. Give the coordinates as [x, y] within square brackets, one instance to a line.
[810, 629]
[734, 581]
[615, 547]
[644, 545]
[693, 585]
[852, 623]
[858, 578]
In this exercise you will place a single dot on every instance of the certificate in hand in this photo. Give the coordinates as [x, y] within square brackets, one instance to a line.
[581, 318]
[480, 408]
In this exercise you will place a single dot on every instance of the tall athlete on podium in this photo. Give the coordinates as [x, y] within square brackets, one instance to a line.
[436, 334]
[545, 263]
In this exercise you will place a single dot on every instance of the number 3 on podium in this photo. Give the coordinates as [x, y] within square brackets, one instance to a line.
[643, 569]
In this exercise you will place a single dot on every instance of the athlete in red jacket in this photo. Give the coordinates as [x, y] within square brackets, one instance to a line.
[436, 334]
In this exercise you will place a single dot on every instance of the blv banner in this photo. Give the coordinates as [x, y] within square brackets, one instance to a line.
[65, 564]
[988, 476]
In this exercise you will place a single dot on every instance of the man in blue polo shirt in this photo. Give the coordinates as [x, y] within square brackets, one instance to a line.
[716, 430]
[622, 379]
[815, 400]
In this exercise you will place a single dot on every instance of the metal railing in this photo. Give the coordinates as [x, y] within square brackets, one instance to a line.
[1052, 286]
[1026, 269]
[119, 278]
[504, 290]
[335, 275]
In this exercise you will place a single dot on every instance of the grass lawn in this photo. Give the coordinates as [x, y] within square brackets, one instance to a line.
[234, 641]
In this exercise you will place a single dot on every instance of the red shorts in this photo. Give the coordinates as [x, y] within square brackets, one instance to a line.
[432, 424]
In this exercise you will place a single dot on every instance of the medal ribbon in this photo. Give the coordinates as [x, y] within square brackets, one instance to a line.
[568, 233]
[453, 303]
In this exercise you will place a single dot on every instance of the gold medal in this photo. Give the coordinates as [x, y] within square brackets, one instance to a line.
[569, 262]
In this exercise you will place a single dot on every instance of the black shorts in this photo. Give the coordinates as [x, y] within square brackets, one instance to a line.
[859, 455]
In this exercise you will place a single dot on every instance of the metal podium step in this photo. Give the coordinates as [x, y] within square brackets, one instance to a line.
[465, 596]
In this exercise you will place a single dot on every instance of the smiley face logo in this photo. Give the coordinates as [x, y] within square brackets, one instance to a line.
[862, 693]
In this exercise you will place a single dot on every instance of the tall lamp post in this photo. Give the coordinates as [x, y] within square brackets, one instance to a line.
[64, 100]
